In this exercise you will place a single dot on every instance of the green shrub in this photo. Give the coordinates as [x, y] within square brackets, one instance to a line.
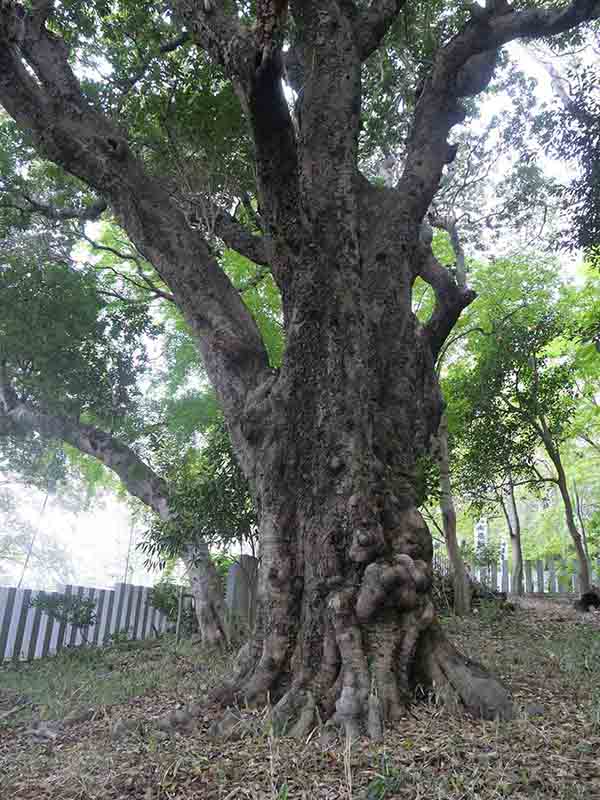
[164, 596]
[80, 612]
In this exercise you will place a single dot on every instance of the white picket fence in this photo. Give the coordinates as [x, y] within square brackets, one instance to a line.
[539, 577]
[27, 632]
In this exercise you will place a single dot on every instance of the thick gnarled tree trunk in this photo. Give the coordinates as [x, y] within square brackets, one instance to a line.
[345, 554]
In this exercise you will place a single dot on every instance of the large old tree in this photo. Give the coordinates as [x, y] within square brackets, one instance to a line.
[331, 440]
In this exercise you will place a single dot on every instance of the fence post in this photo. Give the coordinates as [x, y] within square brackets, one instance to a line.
[494, 577]
[505, 587]
[528, 577]
[552, 570]
[179, 610]
[539, 568]
[241, 588]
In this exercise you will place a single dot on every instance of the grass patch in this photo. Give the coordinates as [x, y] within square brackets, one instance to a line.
[95, 677]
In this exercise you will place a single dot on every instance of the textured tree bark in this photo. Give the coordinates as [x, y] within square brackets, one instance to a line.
[462, 587]
[513, 521]
[345, 576]
[208, 595]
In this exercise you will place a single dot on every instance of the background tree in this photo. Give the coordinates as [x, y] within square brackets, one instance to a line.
[523, 390]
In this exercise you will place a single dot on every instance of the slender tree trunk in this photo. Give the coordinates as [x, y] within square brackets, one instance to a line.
[462, 587]
[579, 508]
[511, 512]
[561, 479]
[208, 596]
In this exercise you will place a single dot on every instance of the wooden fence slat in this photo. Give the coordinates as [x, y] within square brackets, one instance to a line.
[35, 633]
[6, 620]
[106, 629]
[50, 632]
[14, 624]
[137, 613]
[111, 615]
[88, 631]
[41, 640]
[56, 634]
[21, 623]
[120, 597]
[145, 626]
[99, 610]
[539, 568]
[128, 606]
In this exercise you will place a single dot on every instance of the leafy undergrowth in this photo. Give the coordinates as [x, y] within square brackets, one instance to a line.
[548, 655]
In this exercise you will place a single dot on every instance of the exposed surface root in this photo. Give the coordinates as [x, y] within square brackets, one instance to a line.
[459, 681]
[295, 714]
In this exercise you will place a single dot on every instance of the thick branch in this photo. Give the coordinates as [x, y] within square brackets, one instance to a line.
[374, 22]
[87, 144]
[139, 479]
[450, 299]
[253, 61]
[89, 214]
[216, 29]
[239, 238]
[464, 68]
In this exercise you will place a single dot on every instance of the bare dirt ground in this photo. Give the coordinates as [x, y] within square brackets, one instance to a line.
[548, 654]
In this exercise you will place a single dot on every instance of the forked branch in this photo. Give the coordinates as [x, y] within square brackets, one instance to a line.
[450, 299]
